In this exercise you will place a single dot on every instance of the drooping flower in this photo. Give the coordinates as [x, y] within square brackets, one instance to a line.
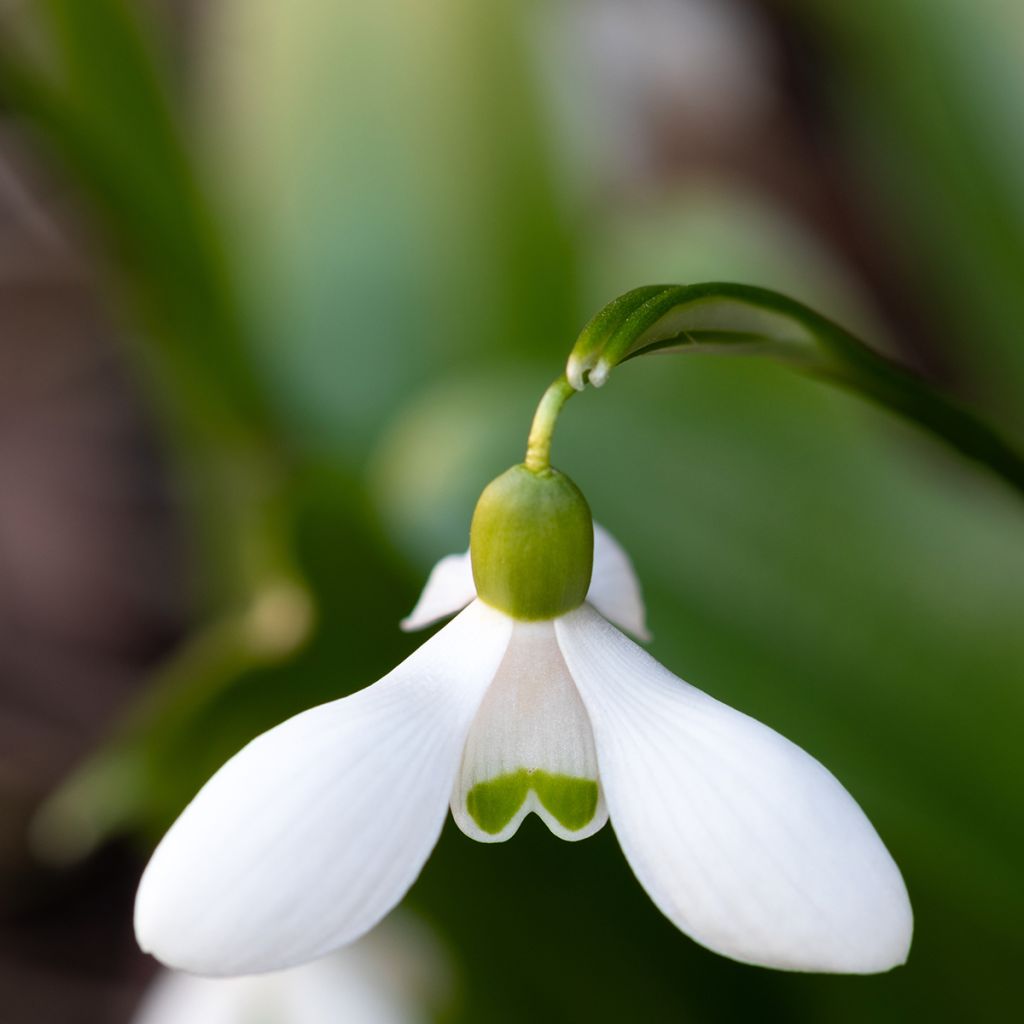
[529, 700]
[396, 975]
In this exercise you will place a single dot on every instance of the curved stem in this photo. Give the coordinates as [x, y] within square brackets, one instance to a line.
[744, 320]
[538, 445]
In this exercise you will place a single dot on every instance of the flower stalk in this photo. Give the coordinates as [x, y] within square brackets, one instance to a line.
[538, 445]
[737, 319]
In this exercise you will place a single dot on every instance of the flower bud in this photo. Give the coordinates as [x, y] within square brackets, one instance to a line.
[532, 544]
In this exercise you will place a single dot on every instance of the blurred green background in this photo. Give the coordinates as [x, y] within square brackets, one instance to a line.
[341, 249]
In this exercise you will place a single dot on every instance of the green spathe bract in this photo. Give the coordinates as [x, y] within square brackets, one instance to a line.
[493, 804]
[532, 544]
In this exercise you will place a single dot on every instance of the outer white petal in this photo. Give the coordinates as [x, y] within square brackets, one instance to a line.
[532, 721]
[315, 830]
[449, 588]
[614, 587]
[742, 839]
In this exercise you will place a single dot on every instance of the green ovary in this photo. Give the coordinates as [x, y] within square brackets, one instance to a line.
[493, 804]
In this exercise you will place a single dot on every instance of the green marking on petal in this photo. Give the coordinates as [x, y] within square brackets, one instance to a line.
[493, 804]
[571, 801]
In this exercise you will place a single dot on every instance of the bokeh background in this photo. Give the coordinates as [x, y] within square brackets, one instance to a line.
[280, 285]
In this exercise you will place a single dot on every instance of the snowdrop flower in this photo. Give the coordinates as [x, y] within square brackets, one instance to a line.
[529, 701]
[396, 975]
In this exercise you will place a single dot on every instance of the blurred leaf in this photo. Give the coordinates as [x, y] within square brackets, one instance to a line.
[297, 643]
[100, 103]
[718, 230]
[395, 210]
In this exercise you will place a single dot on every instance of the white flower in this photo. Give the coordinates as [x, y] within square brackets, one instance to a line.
[312, 833]
[393, 976]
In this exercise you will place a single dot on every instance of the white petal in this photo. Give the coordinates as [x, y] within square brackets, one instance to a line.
[742, 839]
[530, 745]
[614, 587]
[449, 588]
[315, 830]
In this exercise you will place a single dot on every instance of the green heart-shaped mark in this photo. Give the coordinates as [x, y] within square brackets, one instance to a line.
[570, 800]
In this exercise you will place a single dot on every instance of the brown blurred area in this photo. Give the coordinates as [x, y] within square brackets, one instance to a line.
[91, 592]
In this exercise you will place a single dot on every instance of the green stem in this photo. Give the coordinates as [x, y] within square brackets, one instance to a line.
[744, 320]
[538, 445]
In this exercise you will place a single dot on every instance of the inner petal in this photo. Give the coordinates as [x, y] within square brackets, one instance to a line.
[530, 748]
